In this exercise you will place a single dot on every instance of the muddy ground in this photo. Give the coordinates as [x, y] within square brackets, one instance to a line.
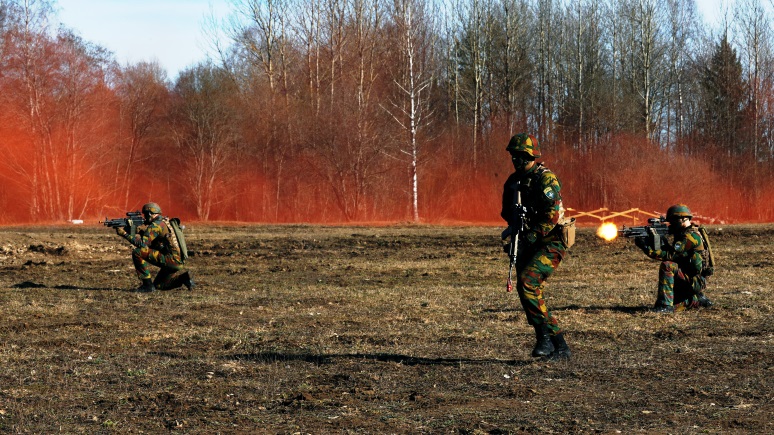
[308, 329]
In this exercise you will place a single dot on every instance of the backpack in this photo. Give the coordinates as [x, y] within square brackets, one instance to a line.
[708, 260]
[176, 237]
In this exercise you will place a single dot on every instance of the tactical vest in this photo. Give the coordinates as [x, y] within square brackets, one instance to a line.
[526, 187]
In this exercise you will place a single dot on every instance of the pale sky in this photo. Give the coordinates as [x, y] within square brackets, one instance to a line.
[712, 10]
[171, 31]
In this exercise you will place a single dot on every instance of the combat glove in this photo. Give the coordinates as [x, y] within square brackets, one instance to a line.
[642, 243]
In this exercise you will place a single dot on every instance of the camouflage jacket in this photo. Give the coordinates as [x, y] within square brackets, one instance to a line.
[155, 236]
[685, 251]
[540, 194]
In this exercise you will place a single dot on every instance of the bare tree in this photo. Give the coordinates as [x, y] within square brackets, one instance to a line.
[256, 29]
[582, 73]
[205, 134]
[143, 97]
[261, 59]
[545, 46]
[513, 64]
[4, 25]
[53, 82]
[412, 79]
[28, 24]
[79, 84]
[474, 17]
[644, 63]
[361, 161]
[753, 23]
[308, 23]
[681, 42]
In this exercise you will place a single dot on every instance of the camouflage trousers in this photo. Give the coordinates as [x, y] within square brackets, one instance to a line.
[171, 267]
[533, 268]
[677, 289]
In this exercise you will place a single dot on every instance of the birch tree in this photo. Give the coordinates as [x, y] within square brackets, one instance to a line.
[680, 85]
[644, 63]
[583, 74]
[412, 79]
[474, 17]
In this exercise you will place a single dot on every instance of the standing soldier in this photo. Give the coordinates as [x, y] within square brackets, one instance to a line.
[682, 276]
[158, 245]
[532, 206]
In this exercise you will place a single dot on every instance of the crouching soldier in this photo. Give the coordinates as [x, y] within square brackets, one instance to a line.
[682, 276]
[157, 244]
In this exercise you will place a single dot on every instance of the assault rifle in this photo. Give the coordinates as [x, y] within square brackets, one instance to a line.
[652, 233]
[132, 220]
[513, 246]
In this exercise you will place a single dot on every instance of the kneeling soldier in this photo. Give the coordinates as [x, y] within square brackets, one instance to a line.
[682, 276]
[157, 245]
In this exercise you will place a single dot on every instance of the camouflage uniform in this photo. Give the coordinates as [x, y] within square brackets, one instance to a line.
[540, 245]
[152, 246]
[680, 282]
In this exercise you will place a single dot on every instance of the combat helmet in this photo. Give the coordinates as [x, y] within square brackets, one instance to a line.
[678, 211]
[151, 208]
[524, 142]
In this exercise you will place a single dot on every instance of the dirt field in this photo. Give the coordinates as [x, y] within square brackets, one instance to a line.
[306, 329]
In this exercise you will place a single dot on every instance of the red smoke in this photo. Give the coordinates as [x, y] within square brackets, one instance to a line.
[624, 173]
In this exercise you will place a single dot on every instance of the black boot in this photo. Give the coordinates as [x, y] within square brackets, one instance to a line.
[704, 301]
[663, 309]
[543, 346]
[147, 286]
[187, 281]
[561, 350]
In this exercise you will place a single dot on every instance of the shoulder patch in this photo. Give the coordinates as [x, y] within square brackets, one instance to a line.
[550, 185]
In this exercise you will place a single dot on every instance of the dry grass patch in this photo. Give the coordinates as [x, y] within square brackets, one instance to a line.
[373, 330]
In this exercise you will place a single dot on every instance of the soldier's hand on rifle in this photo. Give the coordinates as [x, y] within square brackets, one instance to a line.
[120, 231]
[518, 213]
[641, 242]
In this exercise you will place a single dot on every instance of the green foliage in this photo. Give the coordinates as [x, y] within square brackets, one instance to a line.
[725, 99]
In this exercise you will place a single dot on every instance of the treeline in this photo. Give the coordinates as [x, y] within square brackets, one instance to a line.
[393, 110]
